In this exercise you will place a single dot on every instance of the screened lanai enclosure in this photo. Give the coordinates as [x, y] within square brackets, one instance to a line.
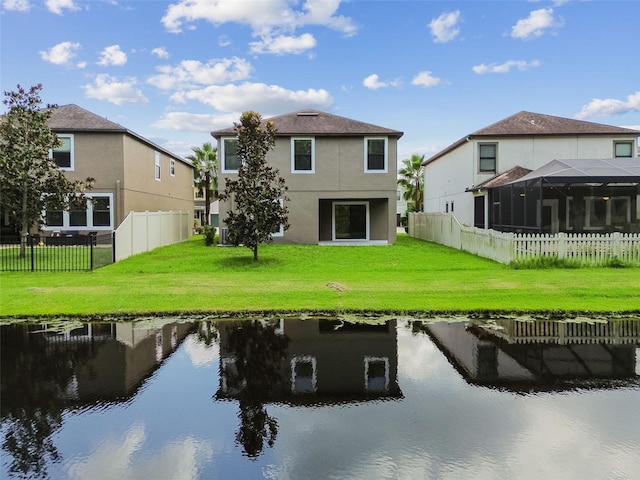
[572, 196]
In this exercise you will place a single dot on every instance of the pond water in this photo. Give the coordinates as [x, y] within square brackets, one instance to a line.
[321, 398]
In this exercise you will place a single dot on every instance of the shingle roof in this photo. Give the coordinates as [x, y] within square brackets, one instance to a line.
[72, 118]
[529, 123]
[317, 123]
[509, 176]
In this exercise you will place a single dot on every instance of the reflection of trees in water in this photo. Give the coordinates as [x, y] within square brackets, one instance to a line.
[35, 376]
[259, 353]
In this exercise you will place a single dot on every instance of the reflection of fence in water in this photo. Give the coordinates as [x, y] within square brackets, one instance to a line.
[565, 332]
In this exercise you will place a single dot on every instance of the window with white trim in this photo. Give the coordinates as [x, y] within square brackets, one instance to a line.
[376, 155]
[487, 157]
[97, 216]
[623, 149]
[376, 374]
[158, 165]
[63, 155]
[172, 167]
[229, 155]
[303, 157]
[304, 374]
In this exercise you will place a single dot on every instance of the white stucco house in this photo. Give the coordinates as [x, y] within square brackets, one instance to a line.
[539, 173]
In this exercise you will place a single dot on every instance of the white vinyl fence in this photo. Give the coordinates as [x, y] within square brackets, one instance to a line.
[588, 249]
[143, 231]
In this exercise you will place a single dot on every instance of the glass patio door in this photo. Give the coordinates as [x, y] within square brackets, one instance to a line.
[351, 221]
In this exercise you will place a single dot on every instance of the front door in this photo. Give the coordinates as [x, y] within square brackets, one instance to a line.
[351, 221]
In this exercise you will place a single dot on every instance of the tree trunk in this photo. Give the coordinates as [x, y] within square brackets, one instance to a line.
[255, 253]
[207, 199]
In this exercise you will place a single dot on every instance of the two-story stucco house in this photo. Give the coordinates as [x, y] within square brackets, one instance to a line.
[539, 173]
[341, 176]
[131, 173]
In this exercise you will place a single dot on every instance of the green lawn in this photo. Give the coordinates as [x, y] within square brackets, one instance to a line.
[409, 276]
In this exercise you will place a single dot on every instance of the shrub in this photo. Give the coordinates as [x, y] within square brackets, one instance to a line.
[209, 235]
[544, 262]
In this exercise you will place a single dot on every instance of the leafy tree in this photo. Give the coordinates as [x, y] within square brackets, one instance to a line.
[205, 162]
[258, 193]
[30, 181]
[412, 181]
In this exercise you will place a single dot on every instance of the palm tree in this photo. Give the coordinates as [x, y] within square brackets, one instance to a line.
[205, 162]
[412, 181]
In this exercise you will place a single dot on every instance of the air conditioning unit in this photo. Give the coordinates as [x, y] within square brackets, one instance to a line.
[224, 232]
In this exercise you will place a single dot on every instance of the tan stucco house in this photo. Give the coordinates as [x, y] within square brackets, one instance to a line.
[341, 176]
[131, 173]
[539, 173]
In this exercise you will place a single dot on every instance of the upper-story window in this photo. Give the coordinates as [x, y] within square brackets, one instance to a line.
[487, 158]
[158, 169]
[63, 154]
[376, 155]
[229, 154]
[172, 167]
[623, 149]
[303, 158]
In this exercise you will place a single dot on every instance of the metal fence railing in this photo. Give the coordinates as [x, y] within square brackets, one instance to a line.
[63, 253]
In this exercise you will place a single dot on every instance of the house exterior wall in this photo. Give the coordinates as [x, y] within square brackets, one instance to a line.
[339, 175]
[141, 191]
[448, 177]
[123, 167]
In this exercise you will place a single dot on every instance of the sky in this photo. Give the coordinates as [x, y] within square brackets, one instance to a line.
[173, 71]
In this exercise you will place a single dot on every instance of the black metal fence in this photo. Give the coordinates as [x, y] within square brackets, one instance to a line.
[63, 253]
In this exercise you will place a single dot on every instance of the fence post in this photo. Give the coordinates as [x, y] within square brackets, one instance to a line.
[30, 240]
[562, 245]
[615, 246]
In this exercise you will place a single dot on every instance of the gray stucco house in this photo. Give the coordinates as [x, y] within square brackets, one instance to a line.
[341, 176]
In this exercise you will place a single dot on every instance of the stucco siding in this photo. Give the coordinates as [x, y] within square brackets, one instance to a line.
[141, 191]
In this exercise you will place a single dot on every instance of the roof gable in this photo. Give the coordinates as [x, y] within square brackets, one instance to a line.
[528, 123]
[73, 117]
[317, 123]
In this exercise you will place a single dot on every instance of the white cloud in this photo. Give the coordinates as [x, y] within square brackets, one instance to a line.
[535, 24]
[425, 79]
[284, 44]
[112, 56]
[445, 27]
[195, 122]
[258, 15]
[190, 73]
[106, 87]
[61, 54]
[505, 67]
[160, 52]
[610, 106]
[57, 6]
[272, 22]
[373, 82]
[17, 5]
[259, 97]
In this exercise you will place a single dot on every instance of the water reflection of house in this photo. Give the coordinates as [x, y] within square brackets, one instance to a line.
[528, 355]
[326, 361]
[121, 355]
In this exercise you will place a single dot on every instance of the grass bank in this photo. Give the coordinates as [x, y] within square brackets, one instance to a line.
[409, 276]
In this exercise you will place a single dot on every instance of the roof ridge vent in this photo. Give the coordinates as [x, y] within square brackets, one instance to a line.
[307, 114]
